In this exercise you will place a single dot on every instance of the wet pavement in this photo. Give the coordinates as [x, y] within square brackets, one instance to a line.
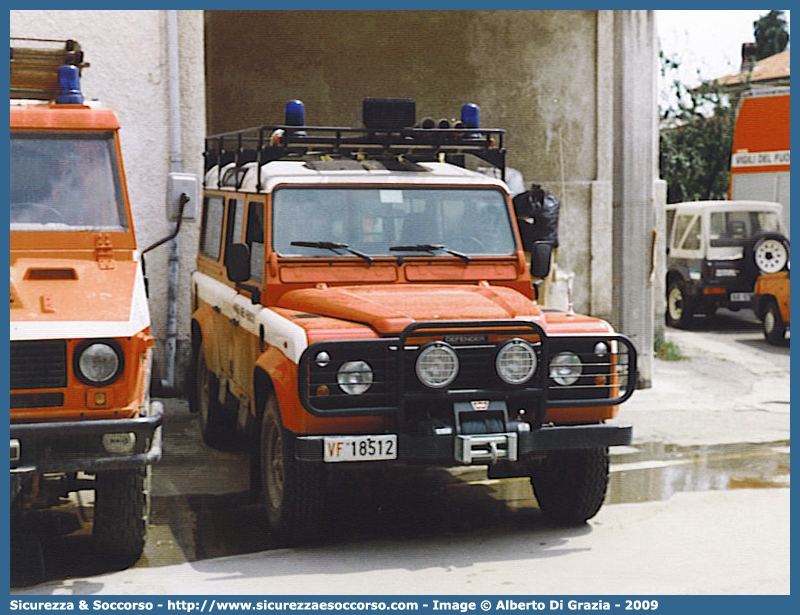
[201, 507]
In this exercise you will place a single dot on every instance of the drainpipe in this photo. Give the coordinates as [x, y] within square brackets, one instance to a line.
[176, 166]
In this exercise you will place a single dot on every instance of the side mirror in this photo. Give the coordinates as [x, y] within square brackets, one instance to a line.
[237, 262]
[541, 253]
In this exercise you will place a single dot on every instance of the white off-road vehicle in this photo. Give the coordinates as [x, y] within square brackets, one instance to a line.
[715, 252]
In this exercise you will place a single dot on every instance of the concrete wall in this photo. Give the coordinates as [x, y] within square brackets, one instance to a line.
[574, 89]
[127, 53]
[552, 79]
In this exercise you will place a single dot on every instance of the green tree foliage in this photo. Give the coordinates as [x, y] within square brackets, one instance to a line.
[771, 33]
[695, 141]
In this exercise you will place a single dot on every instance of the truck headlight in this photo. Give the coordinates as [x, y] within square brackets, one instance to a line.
[437, 365]
[565, 368]
[98, 363]
[354, 377]
[516, 362]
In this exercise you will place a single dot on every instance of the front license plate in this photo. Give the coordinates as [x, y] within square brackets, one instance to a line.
[741, 297]
[360, 448]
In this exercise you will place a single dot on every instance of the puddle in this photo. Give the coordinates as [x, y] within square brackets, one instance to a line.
[655, 472]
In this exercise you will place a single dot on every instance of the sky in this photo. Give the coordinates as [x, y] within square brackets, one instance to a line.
[708, 41]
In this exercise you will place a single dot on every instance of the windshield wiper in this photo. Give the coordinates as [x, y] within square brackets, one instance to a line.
[426, 247]
[330, 245]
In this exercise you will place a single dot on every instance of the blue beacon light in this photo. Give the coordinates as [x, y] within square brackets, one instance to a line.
[295, 113]
[470, 115]
[69, 86]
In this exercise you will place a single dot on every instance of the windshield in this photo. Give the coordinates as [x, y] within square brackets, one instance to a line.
[405, 222]
[65, 183]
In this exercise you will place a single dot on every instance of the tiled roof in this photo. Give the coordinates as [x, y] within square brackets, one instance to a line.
[773, 68]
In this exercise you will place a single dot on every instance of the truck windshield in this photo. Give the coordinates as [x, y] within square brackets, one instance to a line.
[381, 221]
[65, 182]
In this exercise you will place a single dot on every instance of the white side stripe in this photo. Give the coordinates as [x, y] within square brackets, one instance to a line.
[279, 331]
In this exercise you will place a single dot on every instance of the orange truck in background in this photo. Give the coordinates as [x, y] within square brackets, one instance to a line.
[80, 348]
[761, 146]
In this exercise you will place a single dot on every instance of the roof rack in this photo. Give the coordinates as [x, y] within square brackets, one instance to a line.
[263, 144]
[35, 64]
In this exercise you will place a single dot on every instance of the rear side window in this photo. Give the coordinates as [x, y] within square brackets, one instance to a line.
[687, 232]
[211, 231]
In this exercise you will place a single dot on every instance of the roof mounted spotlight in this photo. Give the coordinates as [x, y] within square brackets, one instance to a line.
[69, 85]
[388, 113]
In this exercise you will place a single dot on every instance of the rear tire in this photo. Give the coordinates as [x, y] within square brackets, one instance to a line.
[774, 325]
[216, 428]
[570, 486]
[293, 491]
[121, 510]
[680, 308]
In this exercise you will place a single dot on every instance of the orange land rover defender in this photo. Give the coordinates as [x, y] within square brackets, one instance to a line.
[362, 297]
[81, 417]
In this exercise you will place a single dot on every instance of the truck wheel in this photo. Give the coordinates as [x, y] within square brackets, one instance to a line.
[570, 486]
[215, 427]
[121, 510]
[26, 558]
[680, 308]
[293, 491]
[774, 326]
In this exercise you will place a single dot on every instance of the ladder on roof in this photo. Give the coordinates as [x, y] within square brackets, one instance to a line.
[35, 63]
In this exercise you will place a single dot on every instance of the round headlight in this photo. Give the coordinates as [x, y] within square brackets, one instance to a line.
[98, 364]
[354, 377]
[437, 365]
[516, 362]
[565, 368]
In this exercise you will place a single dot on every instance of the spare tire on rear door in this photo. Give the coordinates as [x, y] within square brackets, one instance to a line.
[770, 253]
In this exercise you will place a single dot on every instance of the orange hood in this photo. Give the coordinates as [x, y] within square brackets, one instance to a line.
[389, 309]
[76, 298]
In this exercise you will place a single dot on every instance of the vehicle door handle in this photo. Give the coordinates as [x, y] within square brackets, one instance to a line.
[217, 309]
[234, 322]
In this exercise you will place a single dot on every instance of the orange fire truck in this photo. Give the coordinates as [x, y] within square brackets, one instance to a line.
[362, 297]
[80, 352]
[761, 144]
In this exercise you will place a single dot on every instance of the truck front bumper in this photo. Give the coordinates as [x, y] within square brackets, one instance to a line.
[473, 449]
[86, 446]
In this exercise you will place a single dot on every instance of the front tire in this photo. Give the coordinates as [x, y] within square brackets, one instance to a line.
[121, 510]
[293, 491]
[774, 325]
[680, 308]
[570, 486]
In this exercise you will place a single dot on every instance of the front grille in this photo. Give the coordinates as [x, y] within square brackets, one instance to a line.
[36, 400]
[40, 364]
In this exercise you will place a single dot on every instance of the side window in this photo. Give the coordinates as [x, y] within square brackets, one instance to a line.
[254, 238]
[211, 231]
[691, 240]
[233, 227]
